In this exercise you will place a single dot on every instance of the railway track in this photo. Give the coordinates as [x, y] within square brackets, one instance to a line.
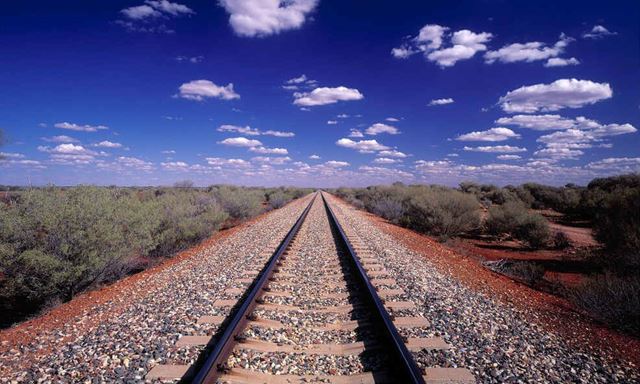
[321, 308]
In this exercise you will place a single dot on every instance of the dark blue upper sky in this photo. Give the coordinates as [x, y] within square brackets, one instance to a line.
[138, 92]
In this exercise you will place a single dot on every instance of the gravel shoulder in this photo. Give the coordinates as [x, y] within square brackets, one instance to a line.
[501, 330]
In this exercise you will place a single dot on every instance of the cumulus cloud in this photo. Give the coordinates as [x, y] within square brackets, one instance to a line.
[559, 153]
[528, 52]
[429, 41]
[108, 144]
[60, 139]
[278, 133]
[509, 157]
[152, 8]
[493, 134]
[355, 133]
[314, 157]
[67, 149]
[392, 119]
[563, 93]
[440, 102]
[271, 160]
[80, 127]
[332, 122]
[538, 122]
[220, 162]
[240, 142]
[362, 146]
[378, 128]
[251, 18]
[136, 163]
[11, 155]
[326, 95]
[238, 129]
[619, 164]
[392, 153]
[266, 150]
[336, 164]
[560, 62]
[201, 89]
[386, 160]
[496, 149]
[598, 32]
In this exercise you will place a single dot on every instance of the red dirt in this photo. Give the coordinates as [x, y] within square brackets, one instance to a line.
[123, 292]
[551, 312]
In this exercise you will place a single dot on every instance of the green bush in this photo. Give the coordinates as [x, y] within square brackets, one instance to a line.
[612, 299]
[617, 225]
[514, 219]
[239, 203]
[441, 211]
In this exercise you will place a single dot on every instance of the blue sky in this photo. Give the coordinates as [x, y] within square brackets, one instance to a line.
[318, 93]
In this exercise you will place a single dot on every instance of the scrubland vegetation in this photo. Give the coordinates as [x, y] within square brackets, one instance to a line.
[56, 242]
[610, 206]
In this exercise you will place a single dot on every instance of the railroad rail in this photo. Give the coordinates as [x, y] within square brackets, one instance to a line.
[365, 311]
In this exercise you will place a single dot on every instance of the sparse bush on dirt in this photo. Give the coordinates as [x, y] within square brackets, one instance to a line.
[561, 241]
[388, 208]
[612, 299]
[56, 242]
[514, 219]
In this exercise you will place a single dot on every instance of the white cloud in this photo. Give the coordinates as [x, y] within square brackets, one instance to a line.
[538, 122]
[392, 153]
[168, 152]
[363, 146]
[342, 116]
[271, 160]
[252, 18]
[496, 149]
[528, 52]
[493, 134]
[355, 133]
[242, 130]
[140, 12]
[266, 150]
[222, 162]
[332, 122]
[465, 45]
[136, 163]
[314, 157]
[598, 32]
[175, 166]
[563, 93]
[240, 142]
[326, 95]
[509, 157]
[80, 127]
[247, 130]
[297, 80]
[11, 155]
[278, 133]
[430, 36]
[201, 89]
[336, 164]
[559, 153]
[385, 173]
[153, 8]
[60, 139]
[620, 164]
[403, 52]
[386, 160]
[378, 128]
[67, 149]
[560, 62]
[392, 119]
[440, 102]
[108, 144]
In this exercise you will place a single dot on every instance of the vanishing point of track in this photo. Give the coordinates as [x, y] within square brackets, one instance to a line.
[321, 309]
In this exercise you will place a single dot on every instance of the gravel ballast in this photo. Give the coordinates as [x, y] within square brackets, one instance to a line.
[498, 342]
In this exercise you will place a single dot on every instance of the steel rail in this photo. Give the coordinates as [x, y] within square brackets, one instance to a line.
[211, 368]
[406, 364]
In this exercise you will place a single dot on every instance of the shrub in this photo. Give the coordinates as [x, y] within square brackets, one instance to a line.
[617, 225]
[239, 203]
[186, 218]
[561, 241]
[389, 209]
[527, 271]
[515, 220]
[611, 299]
[440, 211]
